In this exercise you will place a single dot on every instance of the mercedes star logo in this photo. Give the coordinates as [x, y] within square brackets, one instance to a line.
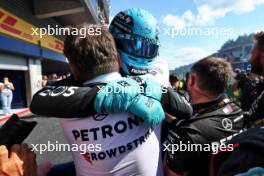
[227, 124]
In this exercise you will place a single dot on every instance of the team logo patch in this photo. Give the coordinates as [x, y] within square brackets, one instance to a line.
[137, 71]
[227, 124]
[149, 103]
[123, 22]
[228, 109]
[99, 117]
[123, 83]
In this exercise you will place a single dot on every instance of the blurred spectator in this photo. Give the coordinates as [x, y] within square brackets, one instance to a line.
[68, 75]
[255, 114]
[257, 59]
[101, 16]
[247, 85]
[184, 87]
[174, 81]
[59, 78]
[44, 80]
[52, 79]
[53, 76]
[19, 161]
[6, 89]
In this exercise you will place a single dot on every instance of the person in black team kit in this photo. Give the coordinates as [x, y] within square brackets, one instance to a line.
[214, 118]
[247, 158]
[247, 84]
[255, 116]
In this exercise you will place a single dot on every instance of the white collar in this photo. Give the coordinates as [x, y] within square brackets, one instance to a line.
[104, 78]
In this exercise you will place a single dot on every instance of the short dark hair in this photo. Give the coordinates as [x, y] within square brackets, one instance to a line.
[213, 74]
[92, 55]
[174, 78]
[259, 38]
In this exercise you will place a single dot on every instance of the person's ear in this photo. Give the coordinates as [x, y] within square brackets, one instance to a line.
[191, 80]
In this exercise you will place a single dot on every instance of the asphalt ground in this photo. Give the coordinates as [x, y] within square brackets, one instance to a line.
[47, 130]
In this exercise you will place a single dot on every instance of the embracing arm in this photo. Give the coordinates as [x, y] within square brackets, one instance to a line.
[69, 101]
[64, 99]
[176, 105]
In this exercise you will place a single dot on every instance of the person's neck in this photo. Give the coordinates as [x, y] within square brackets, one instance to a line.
[202, 98]
[85, 78]
[104, 77]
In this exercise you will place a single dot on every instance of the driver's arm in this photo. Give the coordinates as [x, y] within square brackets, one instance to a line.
[64, 101]
[71, 102]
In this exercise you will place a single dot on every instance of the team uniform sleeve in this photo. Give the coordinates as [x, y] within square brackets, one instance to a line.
[180, 160]
[160, 72]
[256, 112]
[176, 104]
[64, 101]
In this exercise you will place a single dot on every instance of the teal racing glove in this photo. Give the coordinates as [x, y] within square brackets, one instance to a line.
[128, 95]
[116, 96]
[149, 109]
[256, 171]
[152, 89]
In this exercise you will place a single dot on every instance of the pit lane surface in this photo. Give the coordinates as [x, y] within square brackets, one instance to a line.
[48, 129]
